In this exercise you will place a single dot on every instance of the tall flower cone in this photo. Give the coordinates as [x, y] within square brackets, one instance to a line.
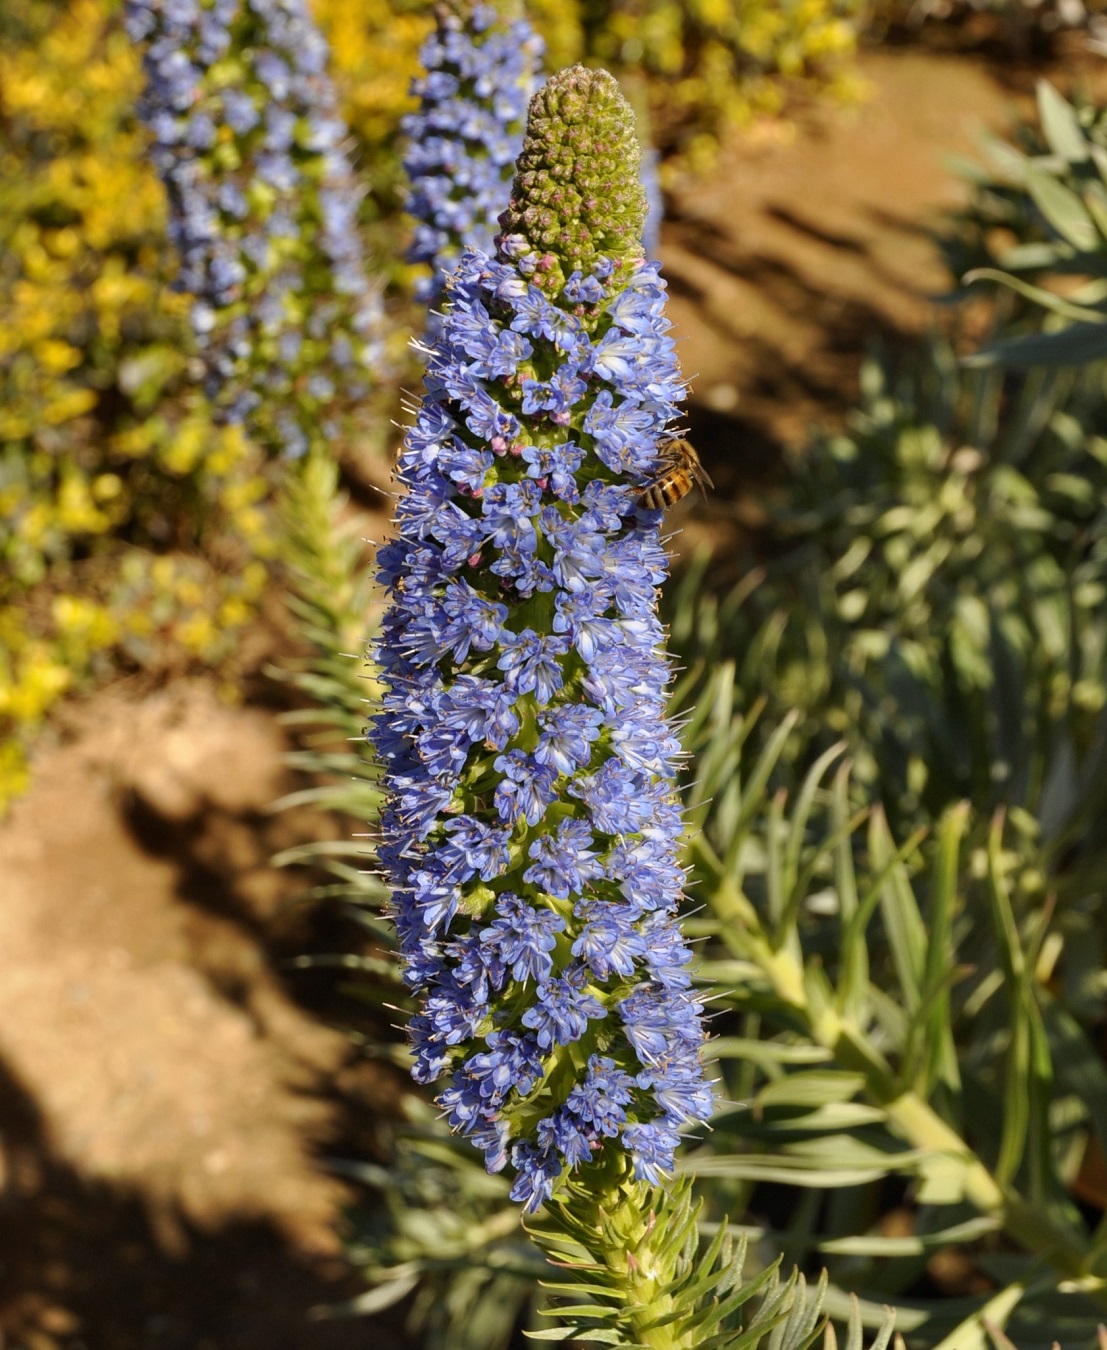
[263, 211]
[480, 70]
[532, 827]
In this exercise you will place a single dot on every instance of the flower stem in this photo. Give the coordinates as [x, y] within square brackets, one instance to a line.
[633, 1240]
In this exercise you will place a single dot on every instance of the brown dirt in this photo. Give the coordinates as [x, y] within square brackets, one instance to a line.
[167, 1093]
[163, 1101]
[805, 247]
[789, 256]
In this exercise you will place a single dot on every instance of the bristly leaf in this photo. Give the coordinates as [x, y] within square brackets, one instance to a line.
[329, 598]
[680, 1293]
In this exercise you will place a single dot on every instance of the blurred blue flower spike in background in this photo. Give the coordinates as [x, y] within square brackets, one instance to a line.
[249, 143]
[480, 73]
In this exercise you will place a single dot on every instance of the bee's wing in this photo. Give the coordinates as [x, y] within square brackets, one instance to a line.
[702, 476]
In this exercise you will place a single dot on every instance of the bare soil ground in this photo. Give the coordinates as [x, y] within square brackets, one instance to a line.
[169, 1089]
[164, 1101]
[799, 252]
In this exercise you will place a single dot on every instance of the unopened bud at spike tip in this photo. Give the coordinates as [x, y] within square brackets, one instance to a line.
[577, 194]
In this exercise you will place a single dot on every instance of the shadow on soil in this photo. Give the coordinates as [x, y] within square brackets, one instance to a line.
[249, 940]
[89, 1266]
[825, 382]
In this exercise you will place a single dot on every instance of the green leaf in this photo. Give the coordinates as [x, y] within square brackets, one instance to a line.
[1075, 346]
[884, 1333]
[1016, 1111]
[1060, 125]
[902, 920]
[810, 1089]
[971, 1334]
[939, 1053]
[790, 864]
[853, 987]
[753, 796]
[824, 1175]
[741, 1296]
[575, 1288]
[385, 1295]
[765, 1052]
[840, 1304]
[854, 1329]
[576, 1310]
[1063, 308]
[801, 1325]
[1034, 257]
[917, 1245]
[1094, 197]
[780, 1122]
[1063, 209]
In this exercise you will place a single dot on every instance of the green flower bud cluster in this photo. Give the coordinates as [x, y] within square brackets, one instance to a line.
[578, 195]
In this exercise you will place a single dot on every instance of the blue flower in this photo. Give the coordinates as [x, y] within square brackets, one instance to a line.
[555, 468]
[475, 848]
[503, 723]
[533, 663]
[525, 789]
[463, 141]
[562, 1012]
[525, 695]
[474, 621]
[611, 942]
[247, 141]
[600, 1100]
[566, 735]
[537, 1172]
[523, 937]
[652, 1147]
[563, 863]
[563, 1135]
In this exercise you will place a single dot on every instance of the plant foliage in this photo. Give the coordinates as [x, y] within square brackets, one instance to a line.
[1053, 194]
[133, 534]
[936, 596]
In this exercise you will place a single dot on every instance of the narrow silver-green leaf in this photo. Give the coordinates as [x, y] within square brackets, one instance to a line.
[1060, 126]
[1063, 209]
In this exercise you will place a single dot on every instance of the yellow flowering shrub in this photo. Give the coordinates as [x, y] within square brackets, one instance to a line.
[710, 64]
[714, 64]
[131, 529]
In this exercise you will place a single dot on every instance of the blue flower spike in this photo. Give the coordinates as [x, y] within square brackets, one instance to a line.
[263, 211]
[532, 829]
[462, 143]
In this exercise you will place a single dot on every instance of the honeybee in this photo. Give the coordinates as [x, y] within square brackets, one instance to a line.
[680, 473]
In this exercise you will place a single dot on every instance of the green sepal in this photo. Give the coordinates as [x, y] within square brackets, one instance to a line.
[475, 901]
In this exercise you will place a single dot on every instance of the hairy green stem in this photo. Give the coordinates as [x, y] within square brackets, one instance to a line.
[631, 1250]
[633, 1246]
